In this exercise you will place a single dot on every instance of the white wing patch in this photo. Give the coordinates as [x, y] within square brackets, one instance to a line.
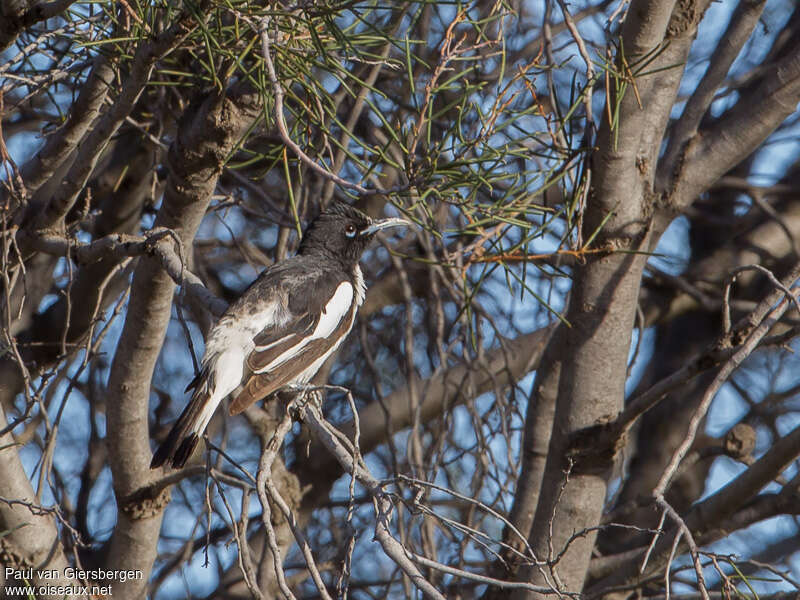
[335, 310]
[332, 314]
[272, 344]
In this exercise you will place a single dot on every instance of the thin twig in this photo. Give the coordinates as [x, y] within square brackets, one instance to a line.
[268, 456]
[280, 120]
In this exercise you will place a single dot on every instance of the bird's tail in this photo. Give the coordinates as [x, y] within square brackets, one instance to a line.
[185, 433]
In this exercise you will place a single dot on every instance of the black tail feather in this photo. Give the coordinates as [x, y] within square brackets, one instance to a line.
[181, 440]
[201, 376]
[185, 450]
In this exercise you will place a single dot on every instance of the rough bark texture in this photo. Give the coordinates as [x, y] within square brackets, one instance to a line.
[30, 539]
[207, 135]
[587, 386]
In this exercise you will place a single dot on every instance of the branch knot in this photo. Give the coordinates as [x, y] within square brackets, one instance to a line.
[145, 503]
[594, 448]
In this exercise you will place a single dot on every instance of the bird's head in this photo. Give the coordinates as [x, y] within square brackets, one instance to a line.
[343, 232]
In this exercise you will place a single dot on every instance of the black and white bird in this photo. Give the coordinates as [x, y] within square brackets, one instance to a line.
[284, 326]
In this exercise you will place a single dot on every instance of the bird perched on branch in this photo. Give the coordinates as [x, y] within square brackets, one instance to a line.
[284, 326]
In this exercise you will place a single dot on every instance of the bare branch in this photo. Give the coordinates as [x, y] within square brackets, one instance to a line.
[383, 503]
[438, 394]
[15, 23]
[744, 19]
[30, 537]
[739, 131]
[90, 148]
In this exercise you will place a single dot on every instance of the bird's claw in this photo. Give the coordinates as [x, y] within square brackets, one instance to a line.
[305, 394]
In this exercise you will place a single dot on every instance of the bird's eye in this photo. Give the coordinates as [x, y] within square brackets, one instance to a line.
[350, 230]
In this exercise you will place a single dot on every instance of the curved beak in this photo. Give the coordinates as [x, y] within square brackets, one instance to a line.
[385, 224]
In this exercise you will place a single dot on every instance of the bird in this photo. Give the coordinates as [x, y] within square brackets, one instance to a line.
[282, 328]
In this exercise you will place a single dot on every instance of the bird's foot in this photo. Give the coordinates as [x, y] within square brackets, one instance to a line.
[305, 394]
[297, 388]
[316, 395]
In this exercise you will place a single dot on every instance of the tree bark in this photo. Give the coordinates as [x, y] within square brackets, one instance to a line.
[208, 134]
[586, 368]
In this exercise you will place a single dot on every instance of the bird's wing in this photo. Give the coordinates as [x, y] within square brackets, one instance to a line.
[320, 308]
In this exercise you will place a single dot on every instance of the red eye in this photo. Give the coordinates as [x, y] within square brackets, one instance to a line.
[350, 230]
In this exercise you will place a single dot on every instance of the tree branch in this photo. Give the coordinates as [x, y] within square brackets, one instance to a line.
[11, 25]
[705, 518]
[207, 136]
[733, 137]
[584, 369]
[744, 19]
[90, 149]
[29, 536]
[439, 394]
[383, 503]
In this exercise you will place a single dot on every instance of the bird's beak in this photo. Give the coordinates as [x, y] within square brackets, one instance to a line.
[384, 224]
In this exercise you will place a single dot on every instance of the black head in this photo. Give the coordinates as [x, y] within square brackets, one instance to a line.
[343, 232]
